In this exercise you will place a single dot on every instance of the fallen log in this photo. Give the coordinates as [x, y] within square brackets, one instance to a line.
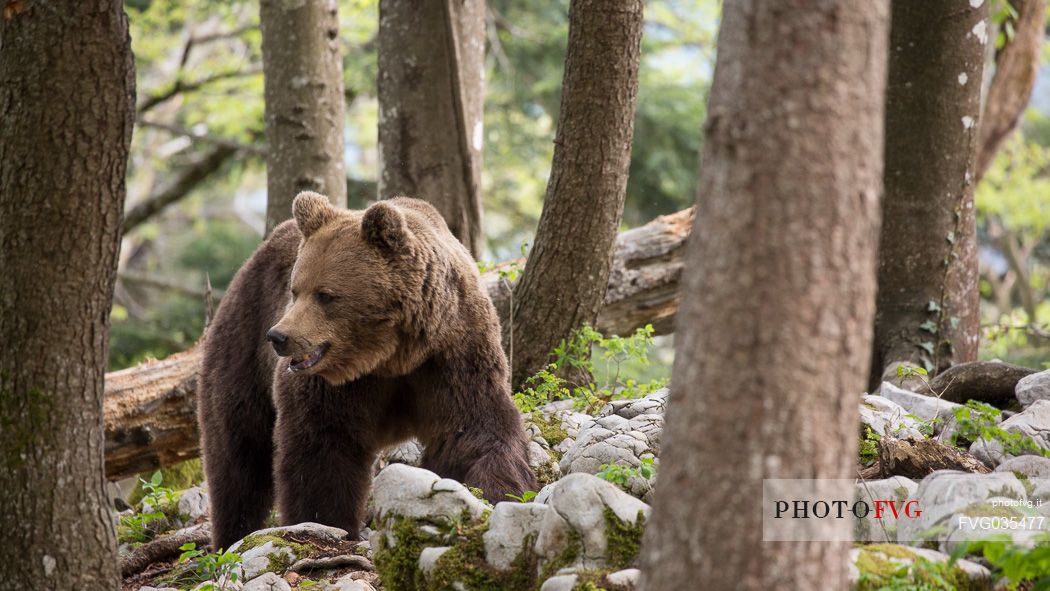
[918, 458]
[150, 409]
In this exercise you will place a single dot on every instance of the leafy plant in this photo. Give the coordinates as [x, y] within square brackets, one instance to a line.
[525, 496]
[620, 475]
[576, 356]
[219, 567]
[869, 447]
[1018, 564]
[135, 528]
[978, 420]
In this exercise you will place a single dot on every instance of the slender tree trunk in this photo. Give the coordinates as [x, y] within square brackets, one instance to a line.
[1016, 68]
[565, 278]
[66, 115]
[773, 339]
[303, 73]
[431, 93]
[927, 308]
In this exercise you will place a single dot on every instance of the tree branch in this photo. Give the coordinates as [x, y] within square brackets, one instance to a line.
[255, 149]
[187, 179]
[181, 87]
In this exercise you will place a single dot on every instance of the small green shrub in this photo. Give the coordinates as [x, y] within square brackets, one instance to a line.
[219, 569]
[576, 356]
[620, 475]
[977, 420]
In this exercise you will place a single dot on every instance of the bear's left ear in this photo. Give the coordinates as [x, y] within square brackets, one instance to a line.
[384, 227]
[311, 211]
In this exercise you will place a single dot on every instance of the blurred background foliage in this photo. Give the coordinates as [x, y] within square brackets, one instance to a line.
[200, 90]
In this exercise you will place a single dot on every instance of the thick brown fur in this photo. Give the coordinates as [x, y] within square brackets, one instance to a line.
[412, 350]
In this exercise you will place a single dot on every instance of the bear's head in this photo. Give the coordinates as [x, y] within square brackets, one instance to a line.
[367, 288]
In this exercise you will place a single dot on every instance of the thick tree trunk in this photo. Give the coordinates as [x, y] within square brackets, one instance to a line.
[431, 93]
[66, 116]
[1016, 67]
[303, 74]
[150, 413]
[775, 334]
[565, 278]
[927, 308]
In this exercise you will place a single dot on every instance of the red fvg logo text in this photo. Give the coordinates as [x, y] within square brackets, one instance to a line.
[878, 508]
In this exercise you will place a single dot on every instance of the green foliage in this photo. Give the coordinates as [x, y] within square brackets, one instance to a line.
[525, 496]
[620, 475]
[869, 446]
[576, 355]
[219, 569]
[977, 420]
[1018, 564]
[160, 502]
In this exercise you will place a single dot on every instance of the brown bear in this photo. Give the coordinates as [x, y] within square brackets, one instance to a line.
[382, 332]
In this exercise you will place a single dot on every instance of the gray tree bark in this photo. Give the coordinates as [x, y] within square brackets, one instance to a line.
[927, 308]
[773, 338]
[303, 87]
[565, 277]
[66, 116]
[431, 94]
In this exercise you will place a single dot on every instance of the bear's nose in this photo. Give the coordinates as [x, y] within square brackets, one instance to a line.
[279, 340]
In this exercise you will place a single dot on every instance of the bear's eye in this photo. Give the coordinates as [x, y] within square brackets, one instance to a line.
[324, 298]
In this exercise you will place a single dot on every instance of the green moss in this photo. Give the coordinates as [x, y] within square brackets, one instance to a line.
[398, 566]
[623, 538]
[890, 566]
[1029, 486]
[988, 510]
[569, 556]
[545, 473]
[255, 540]
[279, 562]
[550, 428]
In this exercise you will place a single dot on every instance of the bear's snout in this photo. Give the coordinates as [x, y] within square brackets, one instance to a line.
[279, 340]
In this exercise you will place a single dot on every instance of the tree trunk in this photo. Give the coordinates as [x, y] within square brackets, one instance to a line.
[1016, 68]
[150, 415]
[303, 75]
[431, 93]
[927, 308]
[565, 278]
[66, 116]
[773, 343]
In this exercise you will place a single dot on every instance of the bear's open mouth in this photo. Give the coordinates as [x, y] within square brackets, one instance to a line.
[310, 360]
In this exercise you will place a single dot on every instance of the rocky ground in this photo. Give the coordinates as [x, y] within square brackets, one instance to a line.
[583, 529]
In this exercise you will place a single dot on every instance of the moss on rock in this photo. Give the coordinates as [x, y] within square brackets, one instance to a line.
[623, 538]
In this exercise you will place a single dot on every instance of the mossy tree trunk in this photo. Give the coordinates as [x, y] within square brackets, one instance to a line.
[66, 116]
[431, 93]
[303, 87]
[927, 308]
[774, 331]
[566, 274]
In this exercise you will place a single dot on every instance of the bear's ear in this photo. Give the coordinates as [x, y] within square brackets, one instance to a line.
[311, 211]
[384, 227]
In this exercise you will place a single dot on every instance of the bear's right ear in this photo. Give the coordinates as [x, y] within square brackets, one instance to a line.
[311, 211]
[384, 227]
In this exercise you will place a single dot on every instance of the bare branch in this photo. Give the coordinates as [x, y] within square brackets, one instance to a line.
[181, 87]
[256, 149]
[187, 179]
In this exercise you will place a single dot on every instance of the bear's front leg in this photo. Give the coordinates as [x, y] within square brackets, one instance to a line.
[322, 471]
[496, 462]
